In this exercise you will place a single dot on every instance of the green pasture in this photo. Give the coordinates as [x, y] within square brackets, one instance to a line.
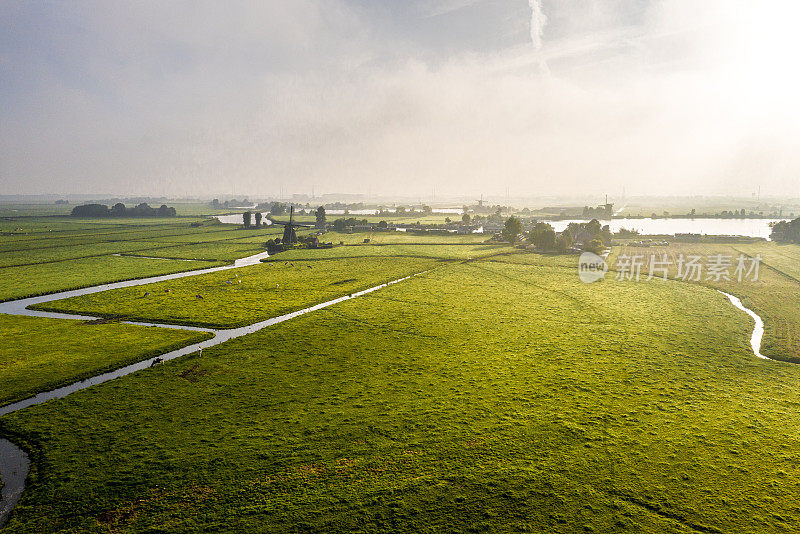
[40, 279]
[53, 254]
[781, 257]
[450, 252]
[212, 251]
[775, 295]
[483, 396]
[395, 237]
[38, 354]
[243, 296]
[496, 392]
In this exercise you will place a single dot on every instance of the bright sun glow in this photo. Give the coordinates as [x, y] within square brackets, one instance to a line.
[763, 43]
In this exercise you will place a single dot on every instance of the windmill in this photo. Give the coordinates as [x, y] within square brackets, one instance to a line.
[289, 235]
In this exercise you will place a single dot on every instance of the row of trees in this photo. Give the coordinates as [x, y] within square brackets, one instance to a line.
[232, 203]
[786, 231]
[119, 210]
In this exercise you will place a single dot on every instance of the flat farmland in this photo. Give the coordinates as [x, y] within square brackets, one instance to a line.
[46, 255]
[783, 258]
[775, 295]
[243, 296]
[43, 278]
[38, 354]
[481, 396]
[455, 251]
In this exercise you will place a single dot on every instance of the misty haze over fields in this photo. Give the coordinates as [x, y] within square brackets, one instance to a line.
[453, 96]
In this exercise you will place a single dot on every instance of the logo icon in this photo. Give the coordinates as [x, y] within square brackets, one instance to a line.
[591, 267]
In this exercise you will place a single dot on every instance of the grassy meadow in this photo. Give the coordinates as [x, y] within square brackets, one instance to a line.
[40, 255]
[775, 295]
[243, 296]
[395, 238]
[493, 393]
[482, 396]
[780, 257]
[40, 279]
[38, 354]
[452, 251]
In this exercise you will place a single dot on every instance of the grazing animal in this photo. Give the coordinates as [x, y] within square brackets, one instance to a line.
[166, 290]
[229, 282]
[146, 294]
[156, 361]
[200, 297]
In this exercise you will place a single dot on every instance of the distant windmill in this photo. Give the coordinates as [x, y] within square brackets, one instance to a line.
[480, 202]
[289, 235]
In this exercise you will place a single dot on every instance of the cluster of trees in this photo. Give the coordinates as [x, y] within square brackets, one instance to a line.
[278, 208]
[786, 231]
[494, 218]
[512, 229]
[543, 236]
[591, 236]
[274, 208]
[229, 203]
[624, 232]
[341, 224]
[734, 213]
[276, 244]
[119, 210]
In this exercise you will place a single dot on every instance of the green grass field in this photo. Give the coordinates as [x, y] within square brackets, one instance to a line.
[486, 396]
[453, 251]
[243, 296]
[52, 254]
[499, 394]
[215, 251]
[31, 280]
[775, 296]
[38, 354]
[394, 238]
[783, 258]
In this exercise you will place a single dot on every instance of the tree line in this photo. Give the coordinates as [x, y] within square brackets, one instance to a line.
[120, 210]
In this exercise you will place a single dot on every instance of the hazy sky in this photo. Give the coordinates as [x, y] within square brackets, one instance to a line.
[400, 97]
